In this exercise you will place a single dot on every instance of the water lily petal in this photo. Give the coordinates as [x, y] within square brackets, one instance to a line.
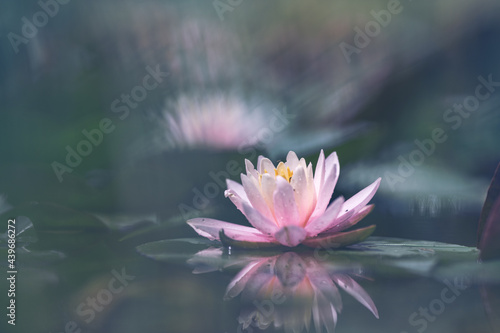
[259, 221]
[245, 243]
[250, 169]
[360, 199]
[332, 166]
[319, 173]
[285, 207]
[236, 193]
[265, 165]
[304, 199]
[259, 159]
[356, 291]
[311, 189]
[252, 189]
[342, 224]
[325, 192]
[302, 164]
[340, 239]
[325, 221]
[210, 229]
[290, 235]
[292, 161]
[268, 185]
[235, 199]
[237, 188]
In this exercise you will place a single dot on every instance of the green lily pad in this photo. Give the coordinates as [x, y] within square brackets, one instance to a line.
[59, 227]
[25, 237]
[51, 217]
[174, 249]
[405, 248]
[25, 233]
[379, 254]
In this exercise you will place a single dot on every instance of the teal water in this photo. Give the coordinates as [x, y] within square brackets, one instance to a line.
[100, 186]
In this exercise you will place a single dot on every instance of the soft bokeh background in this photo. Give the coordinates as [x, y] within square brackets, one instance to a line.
[238, 79]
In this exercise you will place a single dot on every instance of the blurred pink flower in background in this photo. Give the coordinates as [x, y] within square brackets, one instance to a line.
[288, 205]
[217, 121]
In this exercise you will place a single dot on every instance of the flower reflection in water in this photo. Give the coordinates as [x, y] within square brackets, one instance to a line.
[289, 290]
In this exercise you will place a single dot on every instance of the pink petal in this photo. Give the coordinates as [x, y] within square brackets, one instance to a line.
[235, 199]
[250, 169]
[339, 239]
[210, 228]
[236, 193]
[356, 291]
[255, 196]
[325, 221]
[237, 188]
[302, 163]
[292, 161]
[259, 221]
[290, 235]
[265, 164]
[245, 244]
[319, 173]
[325, 192]
[268, 185]
[360, 199]
[349, 222]
[310, 185]
[285, 208]
[304, 199]
[259, 160]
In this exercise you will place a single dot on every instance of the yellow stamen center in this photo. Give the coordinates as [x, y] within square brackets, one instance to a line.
[283, 171]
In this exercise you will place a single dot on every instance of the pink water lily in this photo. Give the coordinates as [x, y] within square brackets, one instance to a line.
[287, 204]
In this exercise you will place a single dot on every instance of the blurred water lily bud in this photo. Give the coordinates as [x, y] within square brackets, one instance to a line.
[489, 222]
[220, 122]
